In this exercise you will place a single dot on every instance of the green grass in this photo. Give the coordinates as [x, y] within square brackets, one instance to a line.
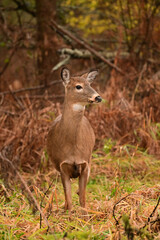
[112, 177]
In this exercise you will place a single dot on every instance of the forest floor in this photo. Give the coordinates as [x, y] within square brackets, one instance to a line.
[122, 202]
[123, 192]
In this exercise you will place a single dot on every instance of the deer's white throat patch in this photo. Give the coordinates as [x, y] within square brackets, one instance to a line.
[78, 107]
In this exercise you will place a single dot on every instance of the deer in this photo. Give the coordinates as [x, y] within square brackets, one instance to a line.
[71, 139]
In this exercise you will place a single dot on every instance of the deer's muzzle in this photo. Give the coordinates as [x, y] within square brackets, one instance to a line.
[98, 99]
[95, 99]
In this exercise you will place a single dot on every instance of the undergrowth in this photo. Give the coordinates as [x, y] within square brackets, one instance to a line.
[122, 193]
[123, 190]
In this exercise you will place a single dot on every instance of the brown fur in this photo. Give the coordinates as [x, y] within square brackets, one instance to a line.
[71, 138]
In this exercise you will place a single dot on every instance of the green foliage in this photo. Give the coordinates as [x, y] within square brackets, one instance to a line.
[93, 17]
[51, 116]
[117, 21]
[6, 60]
[78, 235]
[155, 131]
[108, 145]
[2, 44]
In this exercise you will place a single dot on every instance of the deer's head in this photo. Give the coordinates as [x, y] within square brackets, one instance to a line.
[78, 89]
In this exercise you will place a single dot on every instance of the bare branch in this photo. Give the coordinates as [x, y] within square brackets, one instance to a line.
[151, 215]
[60, 64]
[26, 187]
[85, 45]
[16, 99]
[32, 88]
[82, 53]
[114, 208]
[8, 60]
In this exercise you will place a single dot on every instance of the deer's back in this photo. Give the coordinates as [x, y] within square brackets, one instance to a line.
[63, 145]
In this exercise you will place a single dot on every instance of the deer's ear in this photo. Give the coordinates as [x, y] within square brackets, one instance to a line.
[84, 75]
[65, 75]
[92, 75]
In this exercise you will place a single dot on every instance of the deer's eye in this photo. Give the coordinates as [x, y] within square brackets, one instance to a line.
[78, 87]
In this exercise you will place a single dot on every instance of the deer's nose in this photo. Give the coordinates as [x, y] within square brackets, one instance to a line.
[98, 99]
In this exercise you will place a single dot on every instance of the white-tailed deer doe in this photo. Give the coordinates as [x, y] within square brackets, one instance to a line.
[71, 138]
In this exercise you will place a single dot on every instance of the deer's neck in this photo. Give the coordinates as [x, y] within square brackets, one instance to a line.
[72, 119]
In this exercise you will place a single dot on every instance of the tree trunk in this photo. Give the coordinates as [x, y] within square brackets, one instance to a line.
[47, 43]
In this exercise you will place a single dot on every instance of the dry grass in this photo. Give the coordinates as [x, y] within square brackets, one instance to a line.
[121, 170]
[112, 179]
[24, 125]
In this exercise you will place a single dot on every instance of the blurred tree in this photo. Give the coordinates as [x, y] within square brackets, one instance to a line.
[46, 40]
[102, 20]
[110, 25]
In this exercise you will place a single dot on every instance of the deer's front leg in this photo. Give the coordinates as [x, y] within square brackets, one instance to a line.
[67, 191]
[65, 169]
[82, 185]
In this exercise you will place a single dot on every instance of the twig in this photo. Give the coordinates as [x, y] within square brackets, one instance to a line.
[7, 196]
[9, 113]
[156, 220]
[60, 64]
[151, 215]
[138, 82]
[2, 98]
[32, 88]
[148, 220]
[43, 199]
[41, 97]
[9, 59]
[85, 45]
[26, 187]
[16, 99]
[114, 207]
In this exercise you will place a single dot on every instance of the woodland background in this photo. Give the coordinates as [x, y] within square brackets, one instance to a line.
[122, 40]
